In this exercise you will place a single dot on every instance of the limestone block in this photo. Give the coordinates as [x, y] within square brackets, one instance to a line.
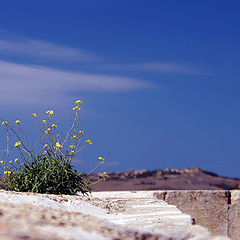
[104, 216]
[208, 208]
[234, 215]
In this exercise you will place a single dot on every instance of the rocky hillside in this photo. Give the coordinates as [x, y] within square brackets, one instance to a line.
[168, 179]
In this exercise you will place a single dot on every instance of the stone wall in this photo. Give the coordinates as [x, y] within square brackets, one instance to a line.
[218, 210]
[234, 215]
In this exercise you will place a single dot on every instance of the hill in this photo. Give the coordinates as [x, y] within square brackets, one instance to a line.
[169, 179]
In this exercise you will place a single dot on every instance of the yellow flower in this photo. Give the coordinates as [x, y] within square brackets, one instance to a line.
[17, 121]
[105, 175]
[89, 141]
[48, 131]
[58, 145]
[74, 137]
[2, 162]
[72, 146]
[4, 123]
[45, 146]
[54, 125]
[78, 102]
[44, 121]
[34, 115]
[50, 112]
[10, 162]
[72, 151]
[8, 173]
[16, 159]
[17, 144]
[101, 159]
[76, 108]
[45, 152]
[81, 132]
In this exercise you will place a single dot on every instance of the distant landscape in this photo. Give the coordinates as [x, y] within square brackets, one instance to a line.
[168, 179]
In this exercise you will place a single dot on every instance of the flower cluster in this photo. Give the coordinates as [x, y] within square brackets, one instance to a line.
[101, 159]
[55, 156]
[77, 107]
[50, 112]
[17, 144]
[105, 175]
[88, 142]
[8, 173]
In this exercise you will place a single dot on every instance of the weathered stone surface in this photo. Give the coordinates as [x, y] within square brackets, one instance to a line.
[114, 215]
[234, 215]
[36, 222]
[142, 211]
[208, 208]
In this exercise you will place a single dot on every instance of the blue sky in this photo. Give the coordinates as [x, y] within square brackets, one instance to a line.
[159, 79]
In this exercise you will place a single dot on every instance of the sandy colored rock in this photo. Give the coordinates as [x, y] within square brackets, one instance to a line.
[101, 216]
[208, 208]
[143, 211]
[234, 215]
[25, 221]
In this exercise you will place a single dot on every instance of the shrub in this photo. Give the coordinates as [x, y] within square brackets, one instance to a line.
[50, 170]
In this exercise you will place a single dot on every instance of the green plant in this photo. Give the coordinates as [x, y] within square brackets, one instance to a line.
[50, 169]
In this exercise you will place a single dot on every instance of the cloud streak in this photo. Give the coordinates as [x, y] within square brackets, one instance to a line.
[155, 67]
[31, 84]
[44, 49]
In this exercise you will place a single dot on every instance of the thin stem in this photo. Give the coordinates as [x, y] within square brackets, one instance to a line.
[21, 154]
[37, 142]
[7, 144]
[74, 122]
[51, 122]
[34, 119]
[96, 182]
[19, 139]
[81, 149]
[93, 169]
[79, 141]
[25, 137]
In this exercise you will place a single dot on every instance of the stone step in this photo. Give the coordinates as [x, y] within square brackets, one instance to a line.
[143, 212]
[145, 208]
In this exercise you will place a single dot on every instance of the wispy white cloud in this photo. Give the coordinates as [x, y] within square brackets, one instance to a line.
[44, 49]
[185, 68]
[31, 84]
